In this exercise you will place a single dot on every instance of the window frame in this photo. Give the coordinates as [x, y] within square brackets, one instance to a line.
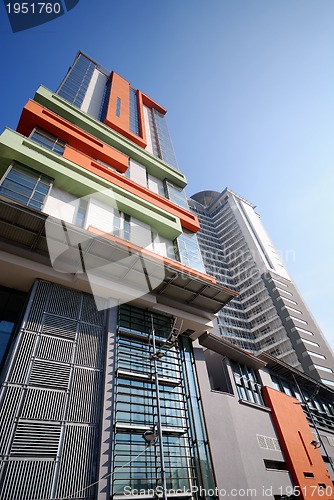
[38, 178]
[57, 141]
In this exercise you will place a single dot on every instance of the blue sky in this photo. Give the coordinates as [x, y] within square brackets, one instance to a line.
[249, 89]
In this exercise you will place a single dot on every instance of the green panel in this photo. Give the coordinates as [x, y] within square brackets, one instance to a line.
[79, 182]
[154, 165]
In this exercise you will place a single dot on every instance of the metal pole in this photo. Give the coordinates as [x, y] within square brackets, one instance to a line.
[156, 379]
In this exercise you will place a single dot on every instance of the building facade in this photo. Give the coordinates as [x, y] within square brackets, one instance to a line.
[269, 315]
[112, 383]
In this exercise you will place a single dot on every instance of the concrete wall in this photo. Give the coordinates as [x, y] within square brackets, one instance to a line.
[233, 427]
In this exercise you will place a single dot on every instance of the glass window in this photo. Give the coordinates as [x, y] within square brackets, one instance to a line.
[134, 124]
[11, 305]
[122, 225]
[176, 194]
[48, 141]
[81, 213]
[188, 251]
[164, 149]
[247, 385]
[26, 186]
[76, 82]
[118, 106]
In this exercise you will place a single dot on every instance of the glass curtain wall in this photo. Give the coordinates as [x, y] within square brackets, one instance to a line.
[138, 467]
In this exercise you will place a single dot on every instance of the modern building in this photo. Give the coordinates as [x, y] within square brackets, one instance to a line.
[269, 315]
[112, 382]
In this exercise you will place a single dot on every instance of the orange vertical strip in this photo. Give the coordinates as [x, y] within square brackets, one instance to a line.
[305, 462]
[120, 89]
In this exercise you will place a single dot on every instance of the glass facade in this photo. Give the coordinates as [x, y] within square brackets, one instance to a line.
[176, 195]
[26, 186]
[48, 141]
[188, 251]
[250, 320]
[186, 458]
[76, 82]
[134, 123]
[165, 146]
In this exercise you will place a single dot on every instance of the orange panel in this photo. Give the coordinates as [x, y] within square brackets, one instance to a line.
[34, 115]
[305, 463]
[120, 89]
[188, 220]
[152, 104]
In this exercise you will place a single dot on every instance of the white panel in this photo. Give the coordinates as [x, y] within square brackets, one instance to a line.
[140, 233]
[164, 247]
[138, 173]
[61, 204]
[156, 185]
[149, 146]
[94, 94]
[100, 216]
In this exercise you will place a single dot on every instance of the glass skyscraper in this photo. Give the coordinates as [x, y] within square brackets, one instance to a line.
[269, 315]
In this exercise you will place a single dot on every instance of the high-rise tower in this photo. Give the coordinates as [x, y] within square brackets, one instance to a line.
[269, 315]
[101, 274]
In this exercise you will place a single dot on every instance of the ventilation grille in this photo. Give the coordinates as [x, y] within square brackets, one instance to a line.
[46, 373]
[8, 411]
[36, 439]
[268, 443]
[60, 327]
[84, 397]
[78, 443]
[55, 349]
[23, 357]
[43, 404]
[89, 347]
[35, 480]
[53, 390]
[64, 302]
[90, 313]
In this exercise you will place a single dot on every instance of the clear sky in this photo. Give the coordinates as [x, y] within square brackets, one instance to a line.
[249, 89]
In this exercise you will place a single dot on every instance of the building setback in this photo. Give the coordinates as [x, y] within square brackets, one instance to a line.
[113, 382]
[269, 315]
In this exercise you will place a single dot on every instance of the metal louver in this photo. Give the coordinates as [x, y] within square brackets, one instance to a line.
[50, 399]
